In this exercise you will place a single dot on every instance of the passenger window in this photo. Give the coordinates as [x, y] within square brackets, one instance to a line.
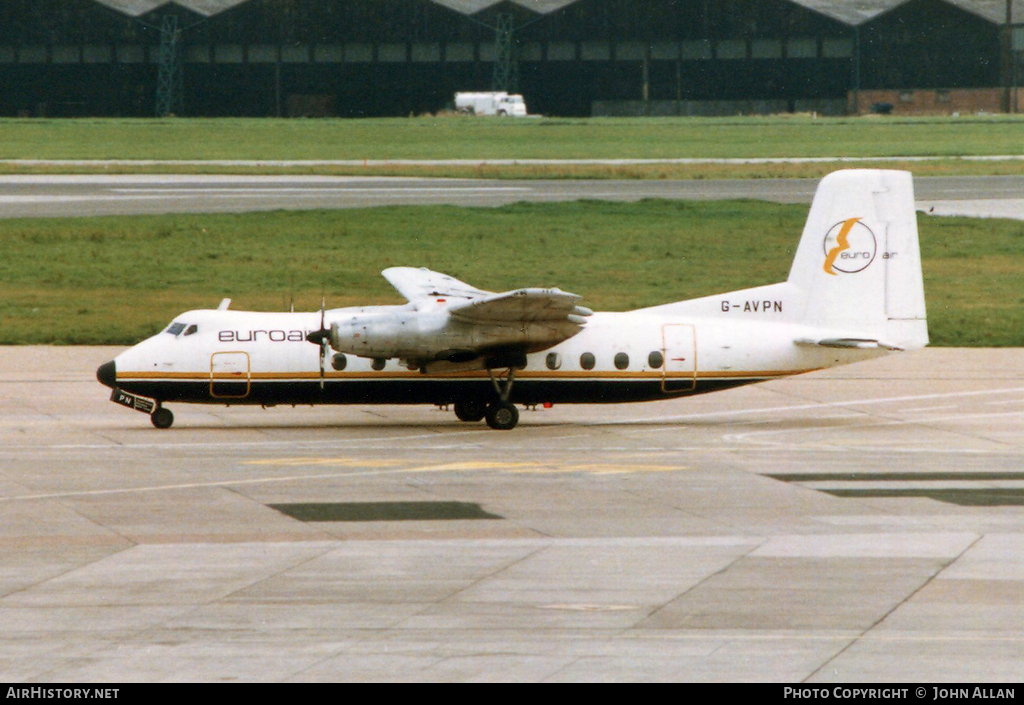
[621, 361]
[554, 361]
[339, 362]
[587, 361]
[655, 360]
[378, 363]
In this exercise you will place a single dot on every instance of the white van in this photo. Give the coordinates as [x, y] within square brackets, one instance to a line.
[493, 103]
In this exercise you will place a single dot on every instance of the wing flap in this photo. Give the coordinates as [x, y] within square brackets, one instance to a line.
[522, 306]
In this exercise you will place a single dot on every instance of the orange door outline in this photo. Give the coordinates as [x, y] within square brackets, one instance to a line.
[228, 373]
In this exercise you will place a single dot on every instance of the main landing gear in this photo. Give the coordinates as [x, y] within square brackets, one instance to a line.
[500, 414]
[470, 411]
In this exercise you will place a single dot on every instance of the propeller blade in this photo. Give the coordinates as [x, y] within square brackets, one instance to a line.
[323, 333]
[319, 337]
[323, 354]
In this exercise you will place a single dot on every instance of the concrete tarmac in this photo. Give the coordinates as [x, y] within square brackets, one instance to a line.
[861, 524]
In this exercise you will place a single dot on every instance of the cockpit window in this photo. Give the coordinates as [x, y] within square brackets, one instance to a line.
[177, 329]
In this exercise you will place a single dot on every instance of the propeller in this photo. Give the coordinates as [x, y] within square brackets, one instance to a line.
[322, 338]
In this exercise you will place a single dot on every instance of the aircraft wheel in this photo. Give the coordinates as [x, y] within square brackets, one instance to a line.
[162, 418]
[502, 416]
[470, 411]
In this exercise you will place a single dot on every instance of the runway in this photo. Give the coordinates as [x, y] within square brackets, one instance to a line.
[860, 524]
[93, 195]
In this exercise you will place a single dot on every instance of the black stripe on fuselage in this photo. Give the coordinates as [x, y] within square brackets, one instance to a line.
[421, 391]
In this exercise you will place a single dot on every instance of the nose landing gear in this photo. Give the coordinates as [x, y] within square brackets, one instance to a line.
[162, 418]
[158, 415]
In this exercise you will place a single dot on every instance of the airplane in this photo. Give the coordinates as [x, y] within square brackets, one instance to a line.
[854, 292]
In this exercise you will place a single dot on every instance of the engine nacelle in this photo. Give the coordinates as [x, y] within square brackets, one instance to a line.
[384, 334]
[419, 336]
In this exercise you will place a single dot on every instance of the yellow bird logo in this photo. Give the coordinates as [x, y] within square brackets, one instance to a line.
[842, 244]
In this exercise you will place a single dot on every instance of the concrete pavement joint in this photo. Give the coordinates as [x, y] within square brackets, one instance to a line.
[904, 601]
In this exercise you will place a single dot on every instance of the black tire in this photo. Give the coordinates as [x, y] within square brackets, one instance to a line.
[502, 416]
[470, 410]
[162, 418]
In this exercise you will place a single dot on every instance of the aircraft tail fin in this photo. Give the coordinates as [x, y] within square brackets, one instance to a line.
[858, 265]
[856, 277]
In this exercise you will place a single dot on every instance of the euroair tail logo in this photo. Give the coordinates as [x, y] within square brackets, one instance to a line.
[850, 247]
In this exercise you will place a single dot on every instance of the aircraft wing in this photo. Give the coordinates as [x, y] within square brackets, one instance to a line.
[421, 286]
[521, 306]
[482, 329]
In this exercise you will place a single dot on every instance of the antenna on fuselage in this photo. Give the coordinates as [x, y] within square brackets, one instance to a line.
[224, 303]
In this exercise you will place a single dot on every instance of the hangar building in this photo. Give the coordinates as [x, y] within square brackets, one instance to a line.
[568, 57]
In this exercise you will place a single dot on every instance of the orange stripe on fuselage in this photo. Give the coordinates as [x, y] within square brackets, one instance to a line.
[652, 375]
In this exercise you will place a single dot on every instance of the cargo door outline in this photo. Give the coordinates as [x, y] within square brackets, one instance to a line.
[679, 348]
[230, 375]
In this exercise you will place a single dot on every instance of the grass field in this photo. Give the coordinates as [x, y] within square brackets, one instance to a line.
[492, 138]
[812, 170]
[117, 280]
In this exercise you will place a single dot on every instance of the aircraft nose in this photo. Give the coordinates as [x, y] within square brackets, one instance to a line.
[107, 374]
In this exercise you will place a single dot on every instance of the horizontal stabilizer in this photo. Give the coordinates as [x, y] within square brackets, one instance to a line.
[857, 343]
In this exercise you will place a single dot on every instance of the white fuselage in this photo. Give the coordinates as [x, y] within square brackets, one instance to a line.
[239, 357]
